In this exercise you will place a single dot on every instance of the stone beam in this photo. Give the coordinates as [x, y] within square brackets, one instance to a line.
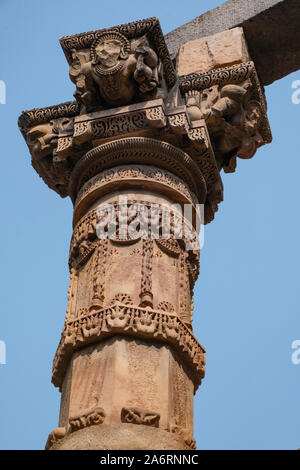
[271, 28]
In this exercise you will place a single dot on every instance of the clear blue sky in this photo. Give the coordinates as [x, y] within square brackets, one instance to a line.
[247, 296]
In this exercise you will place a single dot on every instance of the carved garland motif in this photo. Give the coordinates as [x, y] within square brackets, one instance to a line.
[134, 321]
[137, 172]
[166, 307]
[84, 239]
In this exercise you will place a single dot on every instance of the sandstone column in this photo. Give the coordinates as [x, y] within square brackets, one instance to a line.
[143, 141]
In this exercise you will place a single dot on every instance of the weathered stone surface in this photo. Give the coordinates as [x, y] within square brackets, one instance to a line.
[271, 29]
[212, 52]
[131, 152]
[121, 437]
[128, 381]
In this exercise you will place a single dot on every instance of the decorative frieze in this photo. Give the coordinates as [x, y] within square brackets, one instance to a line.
[85, 239]
[135, 150]
[124, 174]
[133, 321]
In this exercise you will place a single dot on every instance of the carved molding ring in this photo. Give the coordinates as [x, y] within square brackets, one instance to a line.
[138, 150]
[133, 321]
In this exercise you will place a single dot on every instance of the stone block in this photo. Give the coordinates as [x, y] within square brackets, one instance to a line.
[212, 52]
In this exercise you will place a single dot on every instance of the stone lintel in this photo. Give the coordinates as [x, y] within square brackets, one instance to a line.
[271, 28]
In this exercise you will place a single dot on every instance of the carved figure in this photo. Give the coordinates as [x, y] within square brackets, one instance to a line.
[232, 119]
[87, 418]
[115, 71]
[137, 416]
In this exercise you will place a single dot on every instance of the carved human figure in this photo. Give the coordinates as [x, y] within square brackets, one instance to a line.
[80, 74]
[117, 69]
[42, 140]
[232, 119]
[115, 72]
[112, 66]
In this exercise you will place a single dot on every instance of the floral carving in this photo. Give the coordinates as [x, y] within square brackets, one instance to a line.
[123, 299]
[165, 307]
[141, 172]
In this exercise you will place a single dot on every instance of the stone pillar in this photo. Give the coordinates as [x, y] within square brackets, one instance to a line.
[141, 143]
[128, 355]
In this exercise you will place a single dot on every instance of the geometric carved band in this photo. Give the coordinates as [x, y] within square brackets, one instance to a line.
[127, 174]
[132, 321]
[138, 150]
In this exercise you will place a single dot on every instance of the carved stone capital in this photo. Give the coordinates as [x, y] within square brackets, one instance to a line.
[86, 418]
[233, 105]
